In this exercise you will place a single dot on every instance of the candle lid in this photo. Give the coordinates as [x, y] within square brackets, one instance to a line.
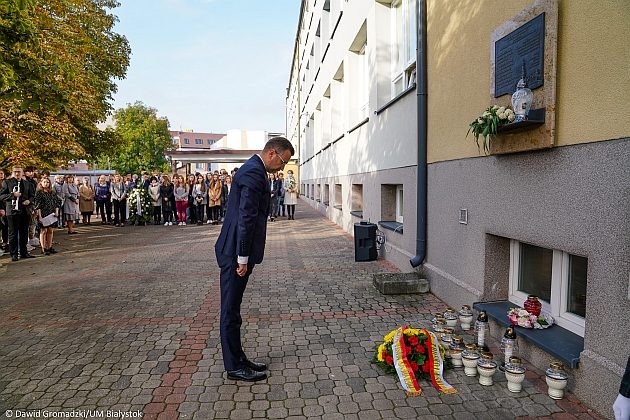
[482, 317]
[486, 355]
[556, 371]
[532, 297]
[510, 333]
[458, 339]
[515, 365]
[449, 330]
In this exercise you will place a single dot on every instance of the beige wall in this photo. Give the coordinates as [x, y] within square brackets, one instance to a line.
[593, 86]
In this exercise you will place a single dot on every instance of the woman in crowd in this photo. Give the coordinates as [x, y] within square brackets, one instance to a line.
[273, 203]
[46, 203]
[214, 199]
[118, 191]
[225, 193]
[200, 199]
[102, 195]
[70, 202]
[280, 206]
[154, 192]
[191, 213]
[77, 215]
[290, 194]
[174, 202]
[86, 200]
[168, 197]
[58, 186]
[181, 200]
[4, 221]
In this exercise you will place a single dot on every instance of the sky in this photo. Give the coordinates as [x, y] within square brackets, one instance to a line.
[209, 65]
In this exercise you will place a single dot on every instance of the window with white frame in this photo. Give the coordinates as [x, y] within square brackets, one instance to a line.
[404, 36]
[556, 277]
[363, 95]
[399, 203]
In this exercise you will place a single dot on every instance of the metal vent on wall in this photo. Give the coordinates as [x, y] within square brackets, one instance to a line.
[463, 216]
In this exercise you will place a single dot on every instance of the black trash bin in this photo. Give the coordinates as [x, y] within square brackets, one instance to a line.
[365, 241]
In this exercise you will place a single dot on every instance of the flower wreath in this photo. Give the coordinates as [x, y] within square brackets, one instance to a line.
[414, 354]
[520, 317]
[146, 205]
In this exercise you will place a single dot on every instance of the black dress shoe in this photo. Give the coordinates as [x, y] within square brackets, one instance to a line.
[258, 367]
[246, 374]
[14, 258]
[27, 256]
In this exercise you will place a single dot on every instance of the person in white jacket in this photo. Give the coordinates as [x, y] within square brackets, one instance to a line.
[154, 192]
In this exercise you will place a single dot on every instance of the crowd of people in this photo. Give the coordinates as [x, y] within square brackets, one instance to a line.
[33, 204]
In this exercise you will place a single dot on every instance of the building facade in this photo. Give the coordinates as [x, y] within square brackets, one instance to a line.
[551, 220]
[191, 140]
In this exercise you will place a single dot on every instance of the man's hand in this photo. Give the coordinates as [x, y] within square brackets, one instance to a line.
[26, 202]
[241, 270]
[621, 407]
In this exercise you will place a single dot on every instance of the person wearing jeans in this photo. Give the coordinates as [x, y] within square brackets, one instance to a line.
[103, 196]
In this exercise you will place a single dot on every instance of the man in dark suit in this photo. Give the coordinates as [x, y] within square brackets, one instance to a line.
[241, 245]
[17, 190]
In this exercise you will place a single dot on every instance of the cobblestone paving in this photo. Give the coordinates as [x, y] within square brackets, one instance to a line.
[126, 319]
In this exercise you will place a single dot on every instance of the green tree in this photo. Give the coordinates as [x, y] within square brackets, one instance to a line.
[145, 139]
[58, 63]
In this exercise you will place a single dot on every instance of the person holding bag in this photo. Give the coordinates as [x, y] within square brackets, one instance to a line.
[47, 204]
[290, 194]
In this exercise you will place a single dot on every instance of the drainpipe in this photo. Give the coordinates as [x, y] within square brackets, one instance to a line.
[421, 95]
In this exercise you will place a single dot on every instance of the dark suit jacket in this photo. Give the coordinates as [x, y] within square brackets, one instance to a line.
[244, 228]
[6, 194]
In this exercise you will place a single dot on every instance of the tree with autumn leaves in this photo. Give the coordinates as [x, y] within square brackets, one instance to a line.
[144, 139]
[59, 60]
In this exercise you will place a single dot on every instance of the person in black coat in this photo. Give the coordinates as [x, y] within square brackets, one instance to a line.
[18, 194]
[168, 197]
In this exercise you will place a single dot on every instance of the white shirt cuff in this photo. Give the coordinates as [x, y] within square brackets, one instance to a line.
[242, 260]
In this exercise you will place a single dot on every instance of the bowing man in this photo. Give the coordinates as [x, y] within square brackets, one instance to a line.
[241, 245]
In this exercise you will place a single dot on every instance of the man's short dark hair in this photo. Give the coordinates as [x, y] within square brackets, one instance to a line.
[279, 144]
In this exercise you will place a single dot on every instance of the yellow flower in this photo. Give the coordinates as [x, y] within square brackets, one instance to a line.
[379, 352]
[390, 337]
[412, 331]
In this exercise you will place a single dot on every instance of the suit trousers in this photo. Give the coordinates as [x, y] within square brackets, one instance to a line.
[18, 232]
[232, 289]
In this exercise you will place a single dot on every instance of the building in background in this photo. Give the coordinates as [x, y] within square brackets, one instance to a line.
[219, 151]
[551, 220]
[191, 140]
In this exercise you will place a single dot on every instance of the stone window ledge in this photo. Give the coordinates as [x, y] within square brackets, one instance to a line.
[555, 340]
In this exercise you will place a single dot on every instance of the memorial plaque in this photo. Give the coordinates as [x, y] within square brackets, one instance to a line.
[525, 45]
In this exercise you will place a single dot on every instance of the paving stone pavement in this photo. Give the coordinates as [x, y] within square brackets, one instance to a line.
[126, 320]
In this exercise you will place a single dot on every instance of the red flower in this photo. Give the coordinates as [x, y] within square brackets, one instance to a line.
[407, 350]
[413, 340]
[414, 366]
[384, 354]
[420, 349]
[426, 367]
[389, 360]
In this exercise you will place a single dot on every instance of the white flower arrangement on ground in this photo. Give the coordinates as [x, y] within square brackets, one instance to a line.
[488, 123]
[520, 317]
